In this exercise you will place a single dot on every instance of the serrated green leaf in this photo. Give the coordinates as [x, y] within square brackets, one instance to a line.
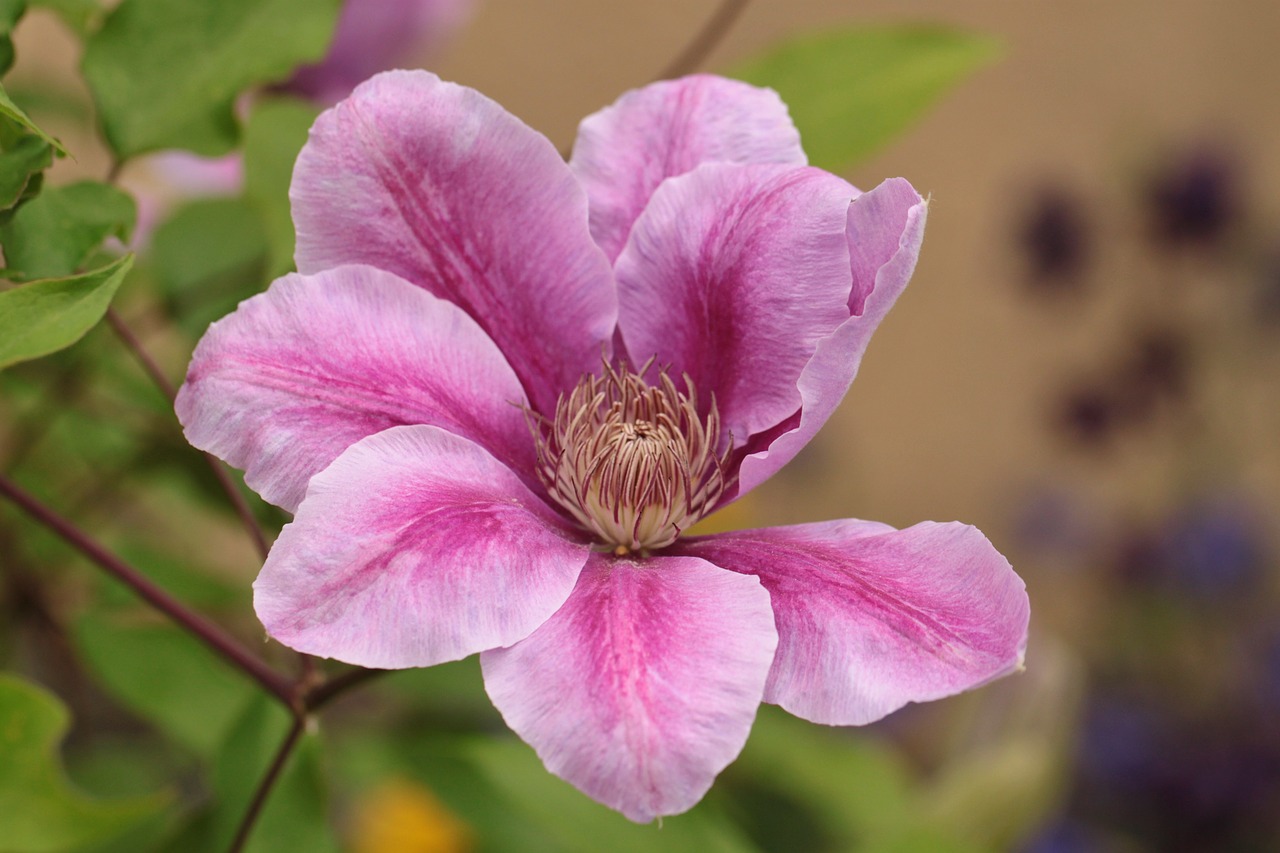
[39, 810]
[10, 12]
[14, 113]
[165, 676]
[57, 232]
[165, 73]
[276, 133]
[46, 316]
[851, 92]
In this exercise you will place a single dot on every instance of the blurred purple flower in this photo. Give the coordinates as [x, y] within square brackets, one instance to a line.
[1054, 240]
[1195, 199]
[1216, 547]
[378, 35]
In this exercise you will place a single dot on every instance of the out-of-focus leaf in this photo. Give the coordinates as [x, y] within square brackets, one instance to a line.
[850, 92]
[14, 113]
[295, 816]
[276, 132]
[57, 232]
[39, 810]
[46, 316]
[165, 73]
[10, 12]
[852, 783]
[165, 676]
[83, 16]
[578, 823]
[207, 257]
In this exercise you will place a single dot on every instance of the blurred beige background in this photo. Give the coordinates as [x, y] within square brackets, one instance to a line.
[947, 419]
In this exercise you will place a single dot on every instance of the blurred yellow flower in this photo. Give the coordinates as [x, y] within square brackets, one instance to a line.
[402, 816]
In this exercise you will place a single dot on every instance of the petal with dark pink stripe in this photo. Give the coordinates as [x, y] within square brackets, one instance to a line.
[665, 129]
[300, 373]
[442, 186]
[733, 275]
[413, 548]
[871, 618]
[644, 685]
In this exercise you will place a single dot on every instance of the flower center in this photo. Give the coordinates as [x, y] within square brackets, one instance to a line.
[633, 463]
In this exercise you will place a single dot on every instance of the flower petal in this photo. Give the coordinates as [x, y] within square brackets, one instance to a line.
[299, 373]
[733, 274]
[885, 228]
[413, 548]
[626, 150]
[871, 618]
[440, 185]
[644, 685]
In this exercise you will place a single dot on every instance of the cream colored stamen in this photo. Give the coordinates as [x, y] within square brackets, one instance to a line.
[633, 463]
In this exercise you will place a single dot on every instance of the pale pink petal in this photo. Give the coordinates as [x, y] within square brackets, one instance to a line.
[666, 129]
[299, 373]
[733, 274]
[378, 35]
[440, 185]
[871, 618]
[886, 227]
[644, 685]
[413, 548]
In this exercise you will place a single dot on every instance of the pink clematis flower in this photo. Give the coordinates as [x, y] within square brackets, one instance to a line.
[501, 388]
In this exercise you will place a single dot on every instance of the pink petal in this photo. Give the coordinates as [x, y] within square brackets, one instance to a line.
[378, 35]
[733, 274]
[885, 227]
[644, 685]
[413, 548]
[440, 185]
[871, 618]
[299, 373]
[666, 129]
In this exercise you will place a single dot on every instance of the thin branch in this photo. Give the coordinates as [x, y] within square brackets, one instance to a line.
[268, 782]
[212, 635]
[166, 387]
[327, 691]
[705, 41]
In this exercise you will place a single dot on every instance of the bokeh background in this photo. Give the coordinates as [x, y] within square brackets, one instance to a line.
[1085, 366]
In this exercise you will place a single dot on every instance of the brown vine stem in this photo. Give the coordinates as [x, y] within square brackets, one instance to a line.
[268, 782]
[149, 366]
[327, 691]
[705, 41]
[209, 633]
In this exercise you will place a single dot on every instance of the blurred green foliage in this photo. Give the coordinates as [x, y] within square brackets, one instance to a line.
[57, 232]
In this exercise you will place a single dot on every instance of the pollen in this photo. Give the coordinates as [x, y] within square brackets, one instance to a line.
[634, 463]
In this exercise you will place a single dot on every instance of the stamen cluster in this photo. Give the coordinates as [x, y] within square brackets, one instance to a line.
[633, 463]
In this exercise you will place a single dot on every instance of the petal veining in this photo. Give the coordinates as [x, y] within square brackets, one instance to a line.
[871, 618]
[733, 274]
[442, 186]
[298, 374]
[413, 548]
[665, 129]
[644, 685]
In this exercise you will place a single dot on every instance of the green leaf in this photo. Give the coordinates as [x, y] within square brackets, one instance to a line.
[14, 113]
[165, 73]
[46, 316]
[276, 133]
[58, 231]
[10, 12]
[851, 92]
[165, 676]
[207, 257]
[295, 816]
[23, 160]
[39, 810]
